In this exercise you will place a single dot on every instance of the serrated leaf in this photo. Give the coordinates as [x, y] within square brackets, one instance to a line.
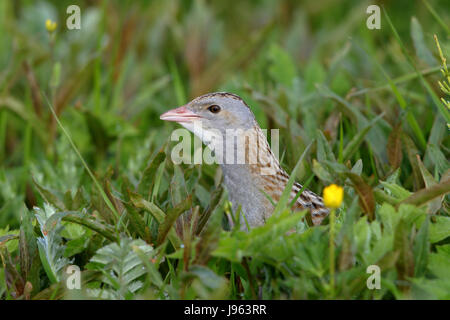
[50, 245]
[122, 266]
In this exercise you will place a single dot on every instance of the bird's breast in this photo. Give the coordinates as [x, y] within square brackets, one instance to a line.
[245, 191]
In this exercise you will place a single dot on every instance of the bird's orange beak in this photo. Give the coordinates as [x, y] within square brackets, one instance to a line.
[181, 114]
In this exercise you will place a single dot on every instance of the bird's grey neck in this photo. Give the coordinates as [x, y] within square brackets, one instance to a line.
[245, 186]
[238, 173]
[245, 180]
[248, 176]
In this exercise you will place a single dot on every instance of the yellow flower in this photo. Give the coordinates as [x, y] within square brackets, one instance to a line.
[333, 195]
[50, 25]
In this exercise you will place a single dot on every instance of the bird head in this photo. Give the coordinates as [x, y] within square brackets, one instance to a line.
[217, 111]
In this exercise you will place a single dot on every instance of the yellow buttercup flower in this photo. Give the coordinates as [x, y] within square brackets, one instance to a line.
[333, 196]
[50, 25]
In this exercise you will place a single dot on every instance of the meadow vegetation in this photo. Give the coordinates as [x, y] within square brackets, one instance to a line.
[86, 176]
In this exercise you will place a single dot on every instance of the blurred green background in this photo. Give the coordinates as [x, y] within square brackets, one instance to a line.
[302, 66]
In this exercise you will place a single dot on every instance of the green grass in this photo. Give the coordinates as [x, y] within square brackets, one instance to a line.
[86, 175]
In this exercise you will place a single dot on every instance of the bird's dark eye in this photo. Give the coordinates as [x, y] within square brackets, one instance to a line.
[214, 108]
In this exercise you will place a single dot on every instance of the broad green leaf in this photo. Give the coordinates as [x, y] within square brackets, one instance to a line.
[8, 238]
[157, 213]
[137, 222]
[314, 74]
[321, 172]
[397, 191]
[439, 230]
[324, 151]
[229, 246]
[357, 167]
[282, 68]
[147, 181]
[207, 283]
[89, 222]
[438, 263]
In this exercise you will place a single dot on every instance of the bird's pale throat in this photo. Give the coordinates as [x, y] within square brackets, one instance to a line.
[243, 147]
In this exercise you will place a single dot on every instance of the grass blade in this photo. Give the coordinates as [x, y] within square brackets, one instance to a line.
[423, 196]
[354, 144]
[94, 179]
[444, 111]
[282, 203]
